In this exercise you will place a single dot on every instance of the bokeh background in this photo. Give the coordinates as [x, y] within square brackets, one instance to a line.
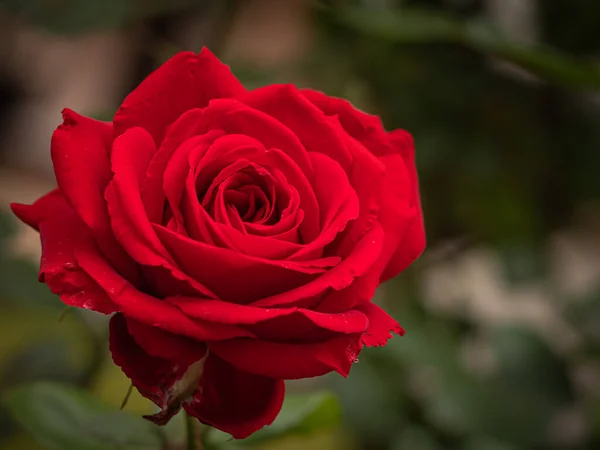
[502, 312]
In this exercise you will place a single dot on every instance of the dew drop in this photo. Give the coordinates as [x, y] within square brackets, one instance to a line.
[88, 304]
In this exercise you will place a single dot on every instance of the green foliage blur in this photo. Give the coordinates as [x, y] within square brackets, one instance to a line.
[508, 140]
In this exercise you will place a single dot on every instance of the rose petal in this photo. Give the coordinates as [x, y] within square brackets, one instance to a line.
[152, 192]
[147, 309]
[366, 177]
[184, 82]
[290, 361]
[381, 325]
[237, 118]
[162, 344]
[397, 213]
[80, 148]
[40, 210]
[358, 263]
[365, 128]
[338, 202]
[234, 401]
[130, 157]
[309, 327]
[252, 277]
[226, 312]
[161, 380]
[309, 227]
[395, 217]
[294, 324]
[413, 241]
[286, 104]
[175, 181]
[80, 154]
[61, 231]
[131, 154]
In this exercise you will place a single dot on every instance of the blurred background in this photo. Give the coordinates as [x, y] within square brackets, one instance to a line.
[502, 312]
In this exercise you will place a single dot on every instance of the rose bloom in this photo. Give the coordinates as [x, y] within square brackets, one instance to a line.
[236, 236]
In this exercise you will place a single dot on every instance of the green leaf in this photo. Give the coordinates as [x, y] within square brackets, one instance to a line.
[545, 62]
[405, 25]
[64, 418]
[414, 26]
[528, 366]
[516, 403]
[301, 414]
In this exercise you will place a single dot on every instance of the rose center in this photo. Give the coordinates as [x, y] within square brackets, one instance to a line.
[246, 194]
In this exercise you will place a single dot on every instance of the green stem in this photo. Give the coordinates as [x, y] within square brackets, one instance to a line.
[192, 438]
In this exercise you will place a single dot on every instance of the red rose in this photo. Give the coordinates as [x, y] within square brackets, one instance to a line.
[238, 236]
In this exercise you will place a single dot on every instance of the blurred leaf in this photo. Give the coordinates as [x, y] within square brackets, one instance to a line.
[407, 25]
[413, 438]
[529, 365]
[112, 385]
[7, 226]
[79, 16]
[522, 262]
[48, 359]
[19, 286]
[25, 331]
[63, 418]
[18, 277]
[515, 405]
[404, 25]
[366, 389]
[547, 63]
[301, 414]
[20, 442]
[486, 443]
[530, 386]
[584, 314]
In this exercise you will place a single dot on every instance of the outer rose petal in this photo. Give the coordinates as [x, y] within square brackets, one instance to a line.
[41, 209]
[162, 344]
[80, 148]
[210, 389]
[184, 82]
[61, 231]
[290, 361]
[365, 128]
[366, 176]
[147, 309]
[368, 130]
[413, 242]
[131, 154]
[381, 325]
[235, 401]
[395, 217]
[293, 324]
[80, 154]
[158, 379]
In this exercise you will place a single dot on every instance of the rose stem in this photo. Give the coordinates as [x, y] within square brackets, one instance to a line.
[192, 437]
